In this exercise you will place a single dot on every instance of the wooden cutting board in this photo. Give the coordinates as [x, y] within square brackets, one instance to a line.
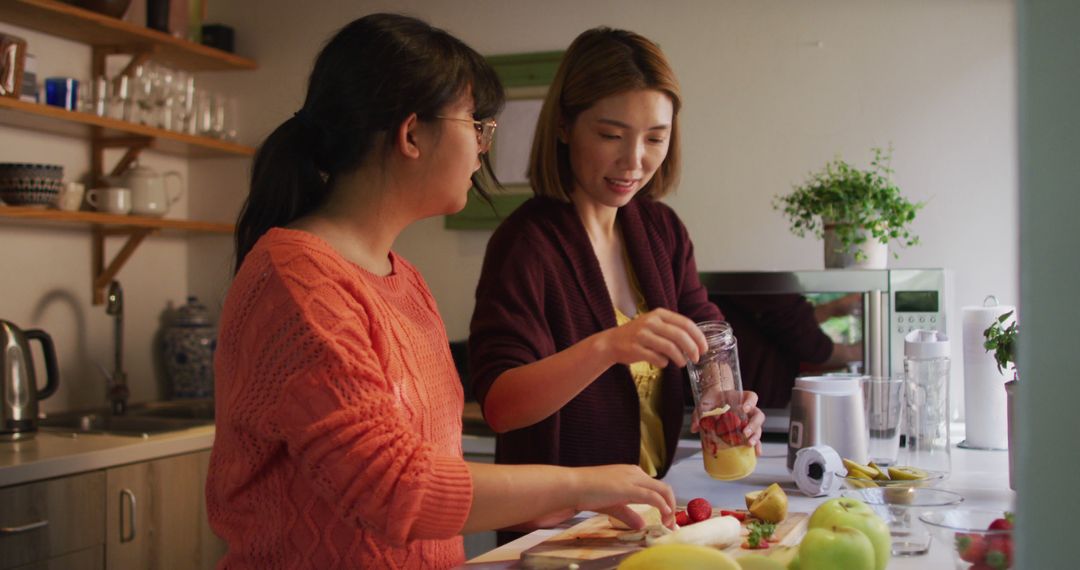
[595, 542]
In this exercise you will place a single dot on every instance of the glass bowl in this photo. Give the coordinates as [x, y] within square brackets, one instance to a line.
[932, 479]
[900, 508]
[965, 532]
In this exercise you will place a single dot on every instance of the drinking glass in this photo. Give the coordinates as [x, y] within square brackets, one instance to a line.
[121, 104]
[883, 398]
[204, 113]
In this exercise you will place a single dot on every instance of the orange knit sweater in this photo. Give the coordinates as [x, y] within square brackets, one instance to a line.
[338, 416]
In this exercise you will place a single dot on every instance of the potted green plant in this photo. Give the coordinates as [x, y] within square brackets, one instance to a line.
[857, 212]
[1002, 340]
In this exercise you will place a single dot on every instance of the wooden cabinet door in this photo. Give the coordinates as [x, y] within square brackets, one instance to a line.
[157, 515]
[51, 518]
[89, 559]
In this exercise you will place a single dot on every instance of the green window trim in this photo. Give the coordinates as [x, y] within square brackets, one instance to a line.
[525, 76]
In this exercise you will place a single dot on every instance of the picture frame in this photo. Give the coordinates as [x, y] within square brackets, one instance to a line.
[526, 77]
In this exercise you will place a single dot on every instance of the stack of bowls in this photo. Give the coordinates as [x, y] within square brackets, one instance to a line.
[25, 184]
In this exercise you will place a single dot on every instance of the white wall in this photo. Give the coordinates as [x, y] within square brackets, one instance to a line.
[46, 270]
[772, 90]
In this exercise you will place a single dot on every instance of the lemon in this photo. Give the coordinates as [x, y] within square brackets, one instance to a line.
[682, 556]
[751, 497]
[769, 505]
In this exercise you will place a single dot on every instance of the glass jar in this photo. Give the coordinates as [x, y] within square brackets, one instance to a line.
[187, 348]
[718, 395]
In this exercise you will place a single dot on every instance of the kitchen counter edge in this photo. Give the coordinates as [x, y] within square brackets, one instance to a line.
[51, 454]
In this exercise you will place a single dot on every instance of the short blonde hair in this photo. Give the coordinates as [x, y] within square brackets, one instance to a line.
[601, 62]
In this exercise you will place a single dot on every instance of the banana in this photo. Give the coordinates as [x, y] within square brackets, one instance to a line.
[717, 531]
[681, 556]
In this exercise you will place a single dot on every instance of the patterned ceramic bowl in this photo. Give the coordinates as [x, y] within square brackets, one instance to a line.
[24, 184]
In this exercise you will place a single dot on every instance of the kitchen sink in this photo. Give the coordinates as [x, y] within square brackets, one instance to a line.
[142, 419]
[121, 425]
[180, 409]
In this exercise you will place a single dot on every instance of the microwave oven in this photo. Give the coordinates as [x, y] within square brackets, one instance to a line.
[882, 307]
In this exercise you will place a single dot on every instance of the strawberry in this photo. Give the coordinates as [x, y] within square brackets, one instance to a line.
[698, 510]
[682, 519]
[729, 422]
[1002, 524]
[708, 424]
[999, 552]
[980, 566]
[761, 544]
[731, 438]
[740, 516]
[970, 547]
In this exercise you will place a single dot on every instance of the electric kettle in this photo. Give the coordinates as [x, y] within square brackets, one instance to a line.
[828, 410]
[19, 393]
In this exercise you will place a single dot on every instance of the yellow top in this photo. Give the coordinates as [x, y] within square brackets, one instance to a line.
[647, 379]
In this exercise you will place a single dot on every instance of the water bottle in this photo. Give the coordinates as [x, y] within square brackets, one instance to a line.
[926, 372]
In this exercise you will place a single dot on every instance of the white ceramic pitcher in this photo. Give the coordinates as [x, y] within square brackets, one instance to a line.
[151, 195]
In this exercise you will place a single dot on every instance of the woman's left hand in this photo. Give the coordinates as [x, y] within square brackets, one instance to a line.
[754, 416]
[756, 419]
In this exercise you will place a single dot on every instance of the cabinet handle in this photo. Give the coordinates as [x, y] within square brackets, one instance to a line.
[131, 515]
[10, 530]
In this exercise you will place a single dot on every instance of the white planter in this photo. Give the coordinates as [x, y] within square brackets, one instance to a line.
[875, 253]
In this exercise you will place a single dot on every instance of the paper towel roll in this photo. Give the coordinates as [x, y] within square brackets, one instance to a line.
[817, 470]
[984, 387]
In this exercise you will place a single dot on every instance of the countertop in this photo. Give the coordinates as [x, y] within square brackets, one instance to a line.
[55, 454]
[981, 477]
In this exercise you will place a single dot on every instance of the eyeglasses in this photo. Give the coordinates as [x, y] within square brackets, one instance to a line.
[485, 130]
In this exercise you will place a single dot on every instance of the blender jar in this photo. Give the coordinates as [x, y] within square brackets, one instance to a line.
[718, 395]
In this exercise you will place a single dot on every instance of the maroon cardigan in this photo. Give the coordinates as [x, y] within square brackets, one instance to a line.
[541, 290]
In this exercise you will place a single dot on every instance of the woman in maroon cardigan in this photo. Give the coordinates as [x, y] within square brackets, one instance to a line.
[558, 379]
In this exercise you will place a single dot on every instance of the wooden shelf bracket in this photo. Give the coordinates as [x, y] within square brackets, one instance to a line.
[104, 274]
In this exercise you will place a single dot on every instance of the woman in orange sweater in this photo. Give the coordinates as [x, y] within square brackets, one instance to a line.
[338, 406]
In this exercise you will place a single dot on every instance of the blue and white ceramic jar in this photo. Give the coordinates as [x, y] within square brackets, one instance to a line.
[187, 348]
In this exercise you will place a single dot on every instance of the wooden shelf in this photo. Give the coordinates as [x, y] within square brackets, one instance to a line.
[66, 21]
[108, 37]
[118, 222]
[134, 228]
[73, 123]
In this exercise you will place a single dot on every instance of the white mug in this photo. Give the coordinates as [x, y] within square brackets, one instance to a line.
[150, 195]
[111, 200]
[71, 198]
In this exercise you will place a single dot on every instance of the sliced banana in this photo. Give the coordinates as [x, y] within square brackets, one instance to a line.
[716, 411]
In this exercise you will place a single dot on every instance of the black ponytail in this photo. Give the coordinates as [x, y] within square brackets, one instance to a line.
[368, 78]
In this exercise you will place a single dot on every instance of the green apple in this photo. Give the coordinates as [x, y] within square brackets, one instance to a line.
[836, 547]
[857, 515]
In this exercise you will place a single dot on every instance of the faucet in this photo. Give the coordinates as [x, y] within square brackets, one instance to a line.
[118, 389]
